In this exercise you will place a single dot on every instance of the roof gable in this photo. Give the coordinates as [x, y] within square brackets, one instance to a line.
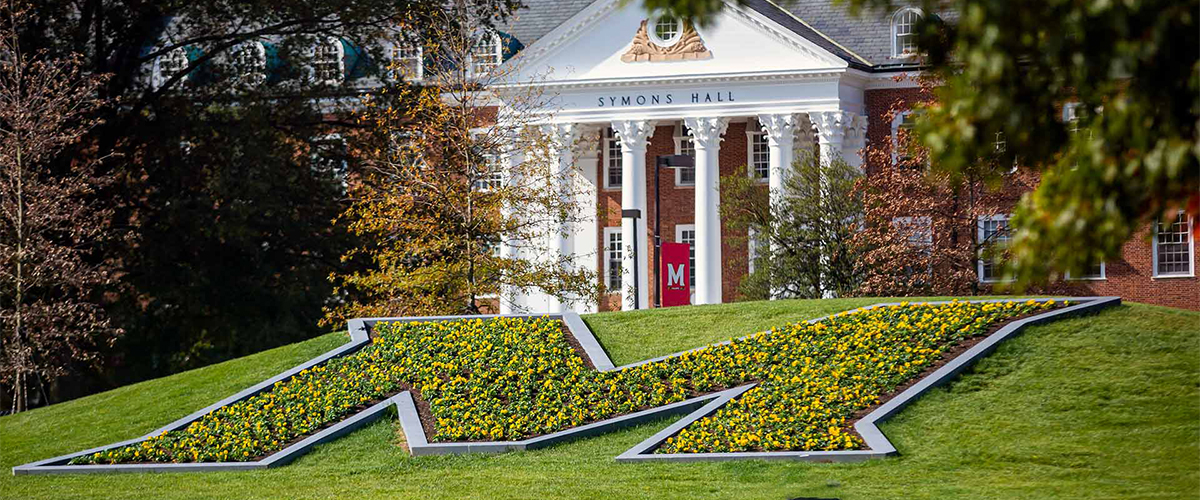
[589, 47]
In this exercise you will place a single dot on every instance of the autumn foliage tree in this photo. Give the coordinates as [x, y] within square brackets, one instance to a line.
[51, 322]
[459, 203]
[920, 233]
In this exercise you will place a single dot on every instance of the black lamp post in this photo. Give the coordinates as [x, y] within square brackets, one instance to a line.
[668, 161]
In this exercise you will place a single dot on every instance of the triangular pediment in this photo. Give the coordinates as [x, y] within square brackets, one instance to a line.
[607, 41]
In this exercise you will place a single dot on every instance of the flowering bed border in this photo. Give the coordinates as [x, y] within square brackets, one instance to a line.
[696, 408]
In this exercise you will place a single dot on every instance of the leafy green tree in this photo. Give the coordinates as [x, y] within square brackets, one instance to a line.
[1132, 72]
[802, 239]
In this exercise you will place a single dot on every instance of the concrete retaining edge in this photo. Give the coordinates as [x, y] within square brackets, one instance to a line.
[698, 407]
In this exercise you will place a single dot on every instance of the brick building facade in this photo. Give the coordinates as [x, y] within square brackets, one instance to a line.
[804, 75]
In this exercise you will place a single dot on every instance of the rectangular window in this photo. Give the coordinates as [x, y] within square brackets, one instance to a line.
[613, 253]
[1093, 272]
[918, 234]
[686, 233]
[329, 158]
[612, 159]
[492, 177]
[760, 157]
[757, 246]
[993, 233]
[1174, 247]
[684, 145]
[407, 62]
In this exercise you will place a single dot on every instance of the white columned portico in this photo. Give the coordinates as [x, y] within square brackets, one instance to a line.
[562, 138]
[706, 134]
[634, 135]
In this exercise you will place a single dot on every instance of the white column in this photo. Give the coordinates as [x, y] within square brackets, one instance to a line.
[855, 141]
[779, 129]
[832, 128]
[586, 228]
[634, 135]
[561, 138]
[706, 134]
[780, 143]
[510, 299]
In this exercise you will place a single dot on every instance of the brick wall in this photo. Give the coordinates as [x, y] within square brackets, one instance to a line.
[1130, 276]
[678, 208]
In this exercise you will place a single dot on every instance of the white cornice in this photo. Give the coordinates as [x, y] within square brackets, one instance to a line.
[781, 76]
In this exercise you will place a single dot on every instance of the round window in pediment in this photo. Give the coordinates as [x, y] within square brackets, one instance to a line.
[666, 31]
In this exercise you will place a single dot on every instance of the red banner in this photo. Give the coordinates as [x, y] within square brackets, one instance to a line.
[676, 284]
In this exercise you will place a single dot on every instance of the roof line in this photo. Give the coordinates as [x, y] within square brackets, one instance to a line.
[817, 31]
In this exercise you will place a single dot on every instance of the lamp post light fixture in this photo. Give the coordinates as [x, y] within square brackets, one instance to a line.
[635, 214]
[673, 162]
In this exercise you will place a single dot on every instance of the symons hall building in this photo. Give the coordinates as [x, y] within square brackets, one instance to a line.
[764, 82]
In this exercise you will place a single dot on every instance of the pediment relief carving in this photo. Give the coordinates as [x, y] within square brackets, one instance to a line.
[688, 47]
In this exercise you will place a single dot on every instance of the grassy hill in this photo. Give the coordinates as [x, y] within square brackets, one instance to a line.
[1105, 406]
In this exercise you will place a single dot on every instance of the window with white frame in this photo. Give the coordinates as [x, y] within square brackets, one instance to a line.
[904, 35]
[486, 54]
[329, 158]
[250, 64]
[1174, 248]
[1093, 272]
[758, 155]
[667, 31]
[1070, 116]
[491, 175]
[613, 253]
[408, 62]
[757, 246]
[686, 233]
[903, 124]
[994, 234]
[684, 145]
[918, 235]
[328, 61]
[170, 64]
[612, 159]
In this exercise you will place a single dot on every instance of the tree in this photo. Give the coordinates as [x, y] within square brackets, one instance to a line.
[1132, 156]
[233, 169]
[50, 321]
[1008, 67]
[919, 234]
[803, 238]
[458, 200]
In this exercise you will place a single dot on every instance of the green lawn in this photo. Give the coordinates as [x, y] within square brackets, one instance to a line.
[1106, 406]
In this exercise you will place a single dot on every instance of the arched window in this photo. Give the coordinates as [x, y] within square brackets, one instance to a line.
[486, 55]
[904, 36]
[250, 64]
[328, 62]
[168, 65]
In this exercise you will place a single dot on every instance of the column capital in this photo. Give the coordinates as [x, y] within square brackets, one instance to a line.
[831, 126]
[633, 133]
[706, 132]
[562, 135]
[778, 126]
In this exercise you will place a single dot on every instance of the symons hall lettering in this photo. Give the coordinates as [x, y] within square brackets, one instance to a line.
[660, 99]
